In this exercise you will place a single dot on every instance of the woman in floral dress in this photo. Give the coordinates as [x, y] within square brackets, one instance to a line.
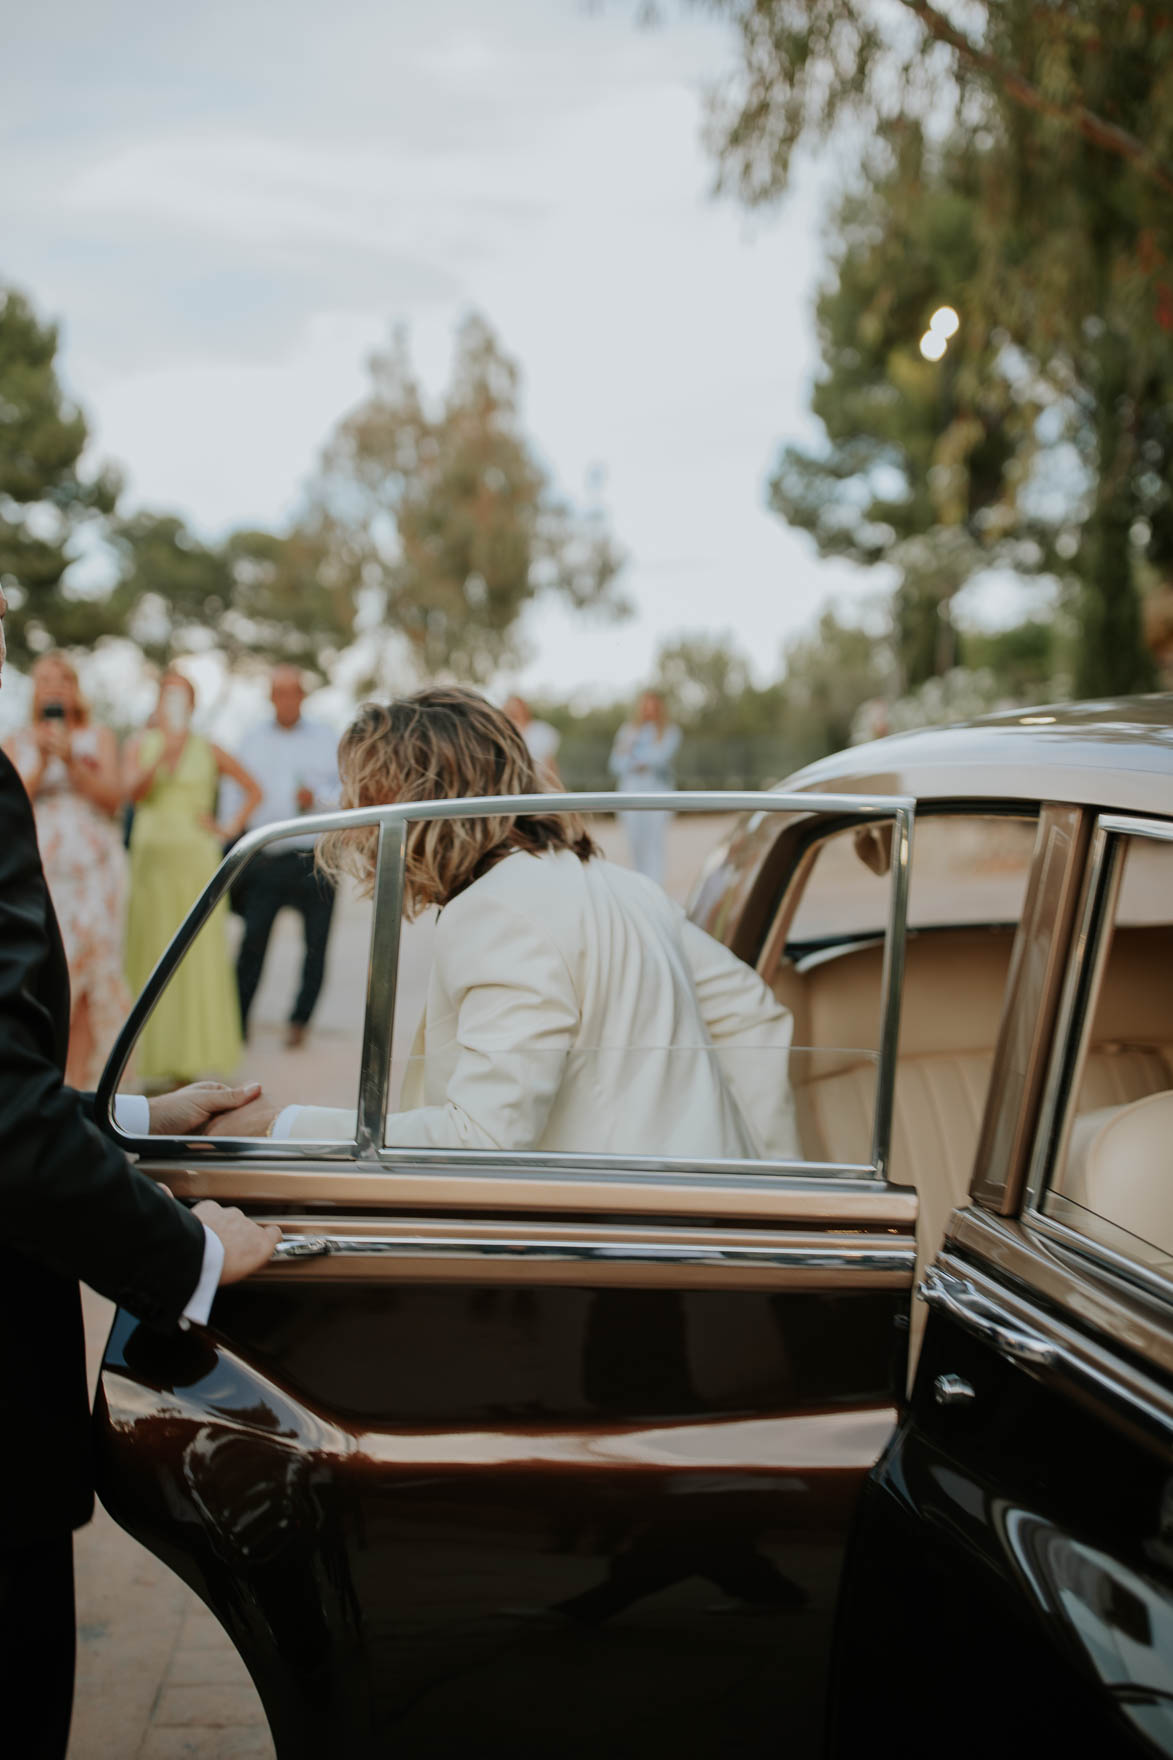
[69, 765]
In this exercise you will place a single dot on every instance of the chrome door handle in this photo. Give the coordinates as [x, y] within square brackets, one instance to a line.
[961, 1302]
[302, 1246]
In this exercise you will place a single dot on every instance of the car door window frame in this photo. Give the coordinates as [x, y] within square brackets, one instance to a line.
[366, 1145]
[1090, 952]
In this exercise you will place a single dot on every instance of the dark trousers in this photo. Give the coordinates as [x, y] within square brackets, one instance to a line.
[37, 1645]
[271, 882]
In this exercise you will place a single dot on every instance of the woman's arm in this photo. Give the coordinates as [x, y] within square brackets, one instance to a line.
[617, 763]
[97, 777]
[517, 1020]
[249, 787]
[752, 1034]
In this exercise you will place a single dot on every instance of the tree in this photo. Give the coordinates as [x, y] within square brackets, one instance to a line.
[257, 594]
[443, 526]
[45, 496]
[925, 463]
[1071, 108]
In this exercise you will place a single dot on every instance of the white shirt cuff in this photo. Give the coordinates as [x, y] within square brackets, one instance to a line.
[200, 1305]
[132, 1114]
[283, 1124]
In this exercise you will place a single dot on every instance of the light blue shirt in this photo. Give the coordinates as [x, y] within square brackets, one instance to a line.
[644, 757]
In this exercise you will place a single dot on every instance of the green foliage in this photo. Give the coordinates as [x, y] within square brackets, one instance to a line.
[44, 495]
[257, 595]
[444, 522]
[1057, 123]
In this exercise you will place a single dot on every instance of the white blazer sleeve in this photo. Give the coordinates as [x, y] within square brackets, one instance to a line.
[517, 1019]
[752, 1033]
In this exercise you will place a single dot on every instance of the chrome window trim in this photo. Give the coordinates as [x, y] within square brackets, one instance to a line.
[386, 927]
[1139, 1279]
[1072, 1029]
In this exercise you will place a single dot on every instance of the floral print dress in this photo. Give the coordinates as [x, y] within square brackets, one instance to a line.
[86, 868]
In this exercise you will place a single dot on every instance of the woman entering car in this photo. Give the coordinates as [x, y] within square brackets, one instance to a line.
[571, 1005]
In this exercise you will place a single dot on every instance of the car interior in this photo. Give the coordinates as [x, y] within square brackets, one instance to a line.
[954, 984]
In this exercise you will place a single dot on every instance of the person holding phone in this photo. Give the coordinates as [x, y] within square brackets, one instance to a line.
[172, 775]
[69, 766]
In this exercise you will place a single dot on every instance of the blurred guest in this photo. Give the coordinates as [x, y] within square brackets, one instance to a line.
[643, 760]
[295, 761]
[173, 775]
[542, 739]
[69, 767]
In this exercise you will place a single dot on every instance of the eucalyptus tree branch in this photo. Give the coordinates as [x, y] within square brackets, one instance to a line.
[1094, 128]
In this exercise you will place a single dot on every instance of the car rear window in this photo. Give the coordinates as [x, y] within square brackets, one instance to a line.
[966, 869]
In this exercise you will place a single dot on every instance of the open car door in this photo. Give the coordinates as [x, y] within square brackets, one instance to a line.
[521, 1453]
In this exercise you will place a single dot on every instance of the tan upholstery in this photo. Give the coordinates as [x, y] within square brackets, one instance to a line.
[1120, 1167]
[952, 1005]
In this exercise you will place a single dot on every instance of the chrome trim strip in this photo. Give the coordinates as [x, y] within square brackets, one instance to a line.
[382, 979]
[840, 1257]
[1139, 1278]
[1120, 823]
[892, 990]
[960, 1301]
[1093, 1369]
[1073, 1021]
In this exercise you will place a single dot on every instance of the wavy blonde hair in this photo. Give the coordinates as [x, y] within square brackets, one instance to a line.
[442, 743]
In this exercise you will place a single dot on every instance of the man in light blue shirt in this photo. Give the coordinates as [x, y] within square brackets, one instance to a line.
[295, 760]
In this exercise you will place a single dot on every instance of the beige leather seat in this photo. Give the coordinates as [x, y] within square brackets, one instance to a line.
[1120, 1167]
[951, 1010]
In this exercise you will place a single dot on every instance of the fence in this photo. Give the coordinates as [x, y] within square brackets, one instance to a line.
[754, 762]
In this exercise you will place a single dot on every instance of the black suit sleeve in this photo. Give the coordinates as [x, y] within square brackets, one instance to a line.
[69, 1198]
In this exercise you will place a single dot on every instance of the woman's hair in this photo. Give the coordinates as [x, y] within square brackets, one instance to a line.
[442, 743]
[55, 657]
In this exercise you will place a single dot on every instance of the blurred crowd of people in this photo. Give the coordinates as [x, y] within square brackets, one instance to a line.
[129, 839]
[130, 836]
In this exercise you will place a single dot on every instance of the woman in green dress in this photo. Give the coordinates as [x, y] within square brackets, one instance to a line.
[173, 775]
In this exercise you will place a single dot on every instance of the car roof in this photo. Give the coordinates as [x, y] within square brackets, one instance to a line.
[1115, 753]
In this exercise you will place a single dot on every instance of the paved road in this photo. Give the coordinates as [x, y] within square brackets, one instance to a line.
[157, 1679]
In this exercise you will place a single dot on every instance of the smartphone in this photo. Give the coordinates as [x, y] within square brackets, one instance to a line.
[175, 709]
[52, 711]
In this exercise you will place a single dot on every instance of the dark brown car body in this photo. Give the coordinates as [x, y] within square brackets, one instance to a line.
[586, 1456]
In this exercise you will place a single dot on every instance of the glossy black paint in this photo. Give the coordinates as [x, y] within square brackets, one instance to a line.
[1014, 1558]
[451, 1519]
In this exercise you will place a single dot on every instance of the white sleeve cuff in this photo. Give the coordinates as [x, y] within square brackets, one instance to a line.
[200, 1305]
[282, 1127]
[132, 1114]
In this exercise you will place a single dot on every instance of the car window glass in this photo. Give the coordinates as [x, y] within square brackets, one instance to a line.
[966, 869]
[684, 1068]
[254, 947]
[800, 1085]
[1112, 1177]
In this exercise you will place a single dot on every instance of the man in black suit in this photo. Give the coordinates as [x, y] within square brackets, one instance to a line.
[73, 1207]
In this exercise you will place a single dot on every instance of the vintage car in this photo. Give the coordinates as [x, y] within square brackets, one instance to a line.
[866, 1451]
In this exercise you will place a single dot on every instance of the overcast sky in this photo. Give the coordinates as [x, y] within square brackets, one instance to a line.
[229, 205]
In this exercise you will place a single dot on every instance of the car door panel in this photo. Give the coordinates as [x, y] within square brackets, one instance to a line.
[1025, 1508]
[459, 1498]
[512, 1451]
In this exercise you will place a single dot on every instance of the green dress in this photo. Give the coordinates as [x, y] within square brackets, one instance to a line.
[195, 1028]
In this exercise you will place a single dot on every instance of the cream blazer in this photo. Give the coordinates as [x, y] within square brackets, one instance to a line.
[572, 1006]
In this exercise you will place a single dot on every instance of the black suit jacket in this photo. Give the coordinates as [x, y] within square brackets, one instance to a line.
[71, 1206]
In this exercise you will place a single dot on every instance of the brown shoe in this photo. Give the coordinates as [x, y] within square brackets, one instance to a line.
[295, 1034]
